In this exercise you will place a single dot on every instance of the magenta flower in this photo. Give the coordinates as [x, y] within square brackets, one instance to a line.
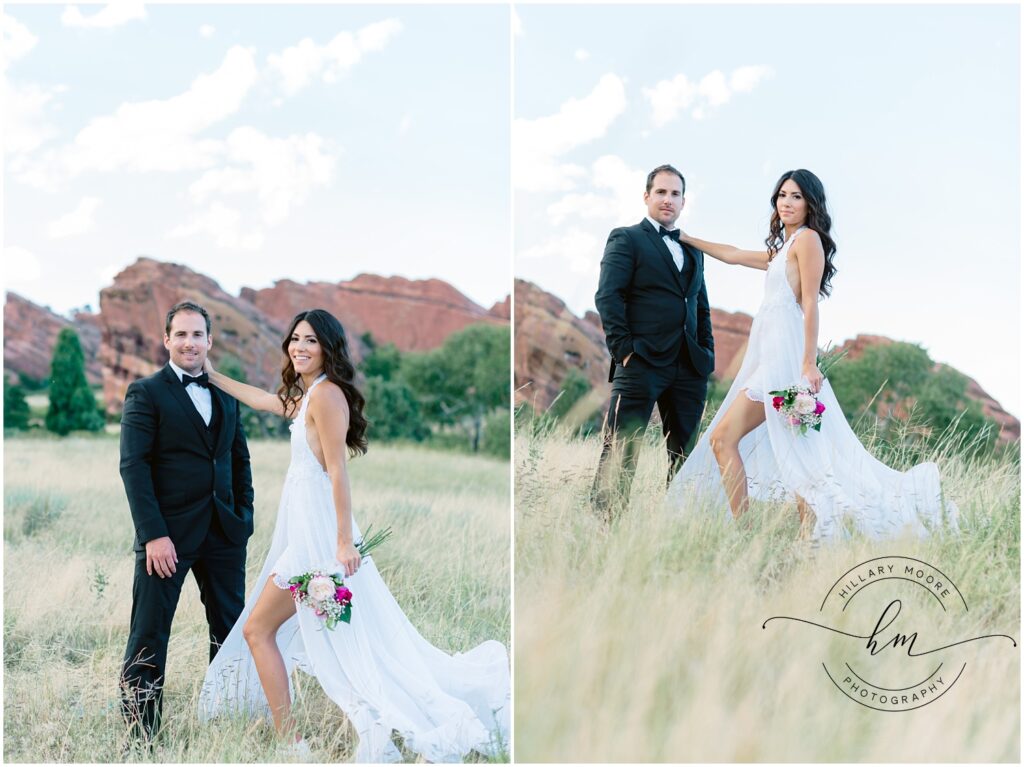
[777, 402]
[819, 407]
[343, 594]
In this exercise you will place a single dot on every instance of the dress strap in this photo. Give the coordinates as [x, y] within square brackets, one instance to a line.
[305, 397]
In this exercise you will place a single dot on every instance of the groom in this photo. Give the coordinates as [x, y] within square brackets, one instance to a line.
[657, 322]
[185, 467]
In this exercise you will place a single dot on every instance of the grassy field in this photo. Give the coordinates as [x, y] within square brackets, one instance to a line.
[642, 641]
[67, 592]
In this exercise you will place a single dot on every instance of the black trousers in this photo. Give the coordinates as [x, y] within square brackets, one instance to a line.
[219, 569]
[678, 390]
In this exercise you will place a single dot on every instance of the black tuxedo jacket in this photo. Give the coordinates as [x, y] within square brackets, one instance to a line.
[646, 307]
[176, 472]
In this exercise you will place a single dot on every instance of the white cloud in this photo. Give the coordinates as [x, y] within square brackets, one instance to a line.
[714, 88]
[669, 98]
[24, 121]
[111, 15]
[15, 40]
[616, 199]
[580, 248]
[298, 65]
[156, 135]
[21, 267]
[78, 221]
[24, 124]
[581, 54]
[280, 172]
[537, 143]
[207, 30]
[744, 79]
[224, 225]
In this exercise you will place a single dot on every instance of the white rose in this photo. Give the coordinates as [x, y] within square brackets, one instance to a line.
[804, 404]
[321, 587]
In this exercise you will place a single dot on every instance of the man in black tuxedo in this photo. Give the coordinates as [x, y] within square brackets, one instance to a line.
[657, 322]
[185, 467]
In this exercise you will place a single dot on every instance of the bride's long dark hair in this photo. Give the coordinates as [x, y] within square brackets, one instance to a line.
[818, 219]
[338, 367]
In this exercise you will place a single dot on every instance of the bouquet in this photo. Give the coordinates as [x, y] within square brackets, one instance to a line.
[800, 409]
[326, 593]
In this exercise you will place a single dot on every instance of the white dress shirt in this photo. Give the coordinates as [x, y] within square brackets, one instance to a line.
[673, 246]
[199, 395]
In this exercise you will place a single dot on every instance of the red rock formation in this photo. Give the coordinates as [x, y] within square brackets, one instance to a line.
[414, 315]
[133, 313]
[125, 340]
[549, 340]
[1009, 426]
[30, 333]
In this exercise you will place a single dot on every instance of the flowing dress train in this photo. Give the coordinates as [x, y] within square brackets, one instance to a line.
[831, 470]
[378, 669]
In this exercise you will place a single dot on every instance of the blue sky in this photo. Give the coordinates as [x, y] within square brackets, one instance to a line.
[255, 143]
[908, 114]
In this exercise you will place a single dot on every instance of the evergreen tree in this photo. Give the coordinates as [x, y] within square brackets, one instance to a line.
[16, 411]
[72, 404]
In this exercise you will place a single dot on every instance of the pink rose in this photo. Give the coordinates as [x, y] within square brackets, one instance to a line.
[819, 407]
[343, 594]
[777, 402]
[794, 420]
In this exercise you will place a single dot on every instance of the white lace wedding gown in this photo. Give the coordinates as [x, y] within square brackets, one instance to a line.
[830, 469]
[378, 668]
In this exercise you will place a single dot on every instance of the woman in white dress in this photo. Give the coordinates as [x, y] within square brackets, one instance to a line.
[749, 449]
[378, 669]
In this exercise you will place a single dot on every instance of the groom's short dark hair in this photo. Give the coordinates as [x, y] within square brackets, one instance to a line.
[186, 306]
[664, 169]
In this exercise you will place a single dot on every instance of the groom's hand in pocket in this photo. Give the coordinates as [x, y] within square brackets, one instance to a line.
[161, 557]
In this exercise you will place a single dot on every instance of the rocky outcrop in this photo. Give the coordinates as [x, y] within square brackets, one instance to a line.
[133, 315]
[550, 339]
[414, 315]
[1009, 426]
[30, 333]
[124, 341]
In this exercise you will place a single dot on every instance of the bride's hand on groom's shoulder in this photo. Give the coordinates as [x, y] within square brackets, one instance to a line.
[208, 367]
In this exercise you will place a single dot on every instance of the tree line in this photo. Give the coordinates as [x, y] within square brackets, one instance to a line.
[455, 396]
[894, 392]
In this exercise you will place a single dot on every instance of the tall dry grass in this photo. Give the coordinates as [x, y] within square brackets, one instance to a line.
[642, 641]
[67, 593]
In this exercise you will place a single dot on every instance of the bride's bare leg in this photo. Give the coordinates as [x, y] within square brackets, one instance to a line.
[742, 417]
[807, 518]
[273, 608]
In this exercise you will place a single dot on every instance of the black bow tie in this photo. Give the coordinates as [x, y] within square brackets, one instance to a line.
[672, 233]
[202, 379]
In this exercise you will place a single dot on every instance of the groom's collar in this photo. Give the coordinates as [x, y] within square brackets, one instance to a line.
[654, 224]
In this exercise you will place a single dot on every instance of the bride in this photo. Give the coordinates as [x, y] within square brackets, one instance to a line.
[749, 449]
[378, 668]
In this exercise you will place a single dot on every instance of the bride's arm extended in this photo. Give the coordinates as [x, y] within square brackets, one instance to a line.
[329, 410]
[729, 254]
[252, 396]
[810, 258]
